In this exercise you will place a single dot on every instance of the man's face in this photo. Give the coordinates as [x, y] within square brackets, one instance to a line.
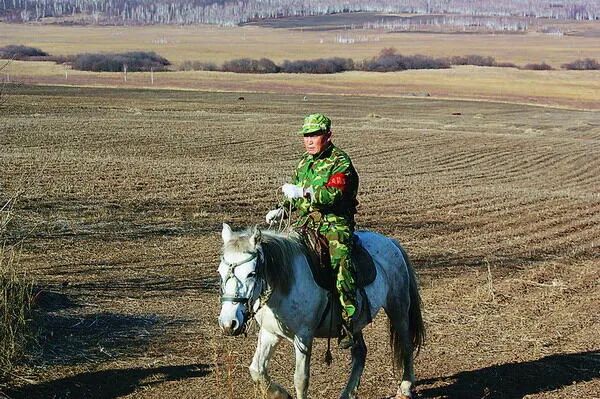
[316, 142]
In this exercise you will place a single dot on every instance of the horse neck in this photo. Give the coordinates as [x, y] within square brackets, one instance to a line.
[303, 276]
[303, 283]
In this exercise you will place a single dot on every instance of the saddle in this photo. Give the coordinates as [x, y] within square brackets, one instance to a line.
[320, 262]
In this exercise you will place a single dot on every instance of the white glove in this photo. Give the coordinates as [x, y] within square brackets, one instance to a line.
[292, 191]
[274, 215]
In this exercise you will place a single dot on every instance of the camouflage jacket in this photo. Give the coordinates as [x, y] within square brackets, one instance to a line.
[332, 184]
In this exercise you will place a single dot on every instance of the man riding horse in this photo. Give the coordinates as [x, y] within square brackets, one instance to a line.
[323, 191]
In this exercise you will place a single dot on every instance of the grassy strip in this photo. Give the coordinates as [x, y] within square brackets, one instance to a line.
[16, 296]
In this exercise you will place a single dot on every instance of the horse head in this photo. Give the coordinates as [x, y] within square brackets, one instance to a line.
[241, 280]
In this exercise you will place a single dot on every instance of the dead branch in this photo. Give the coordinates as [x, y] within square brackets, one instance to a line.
[554, 284]
[490, 281]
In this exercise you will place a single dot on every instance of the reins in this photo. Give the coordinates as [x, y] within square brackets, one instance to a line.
[285, 223]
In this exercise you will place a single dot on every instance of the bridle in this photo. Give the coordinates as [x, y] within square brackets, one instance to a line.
[259, 280]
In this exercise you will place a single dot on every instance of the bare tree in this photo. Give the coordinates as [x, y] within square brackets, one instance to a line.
[231, 12]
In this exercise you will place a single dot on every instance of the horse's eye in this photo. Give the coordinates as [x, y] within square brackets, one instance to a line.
[251, 275]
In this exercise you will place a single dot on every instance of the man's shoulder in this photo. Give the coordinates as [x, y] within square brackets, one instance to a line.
[339, 154]
[304, 157]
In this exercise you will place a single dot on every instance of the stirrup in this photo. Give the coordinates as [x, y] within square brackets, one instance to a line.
[346, 340]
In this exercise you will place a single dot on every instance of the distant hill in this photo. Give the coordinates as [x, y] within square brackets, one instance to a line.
[229, 12]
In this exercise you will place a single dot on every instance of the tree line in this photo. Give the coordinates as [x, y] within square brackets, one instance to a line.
[388, 60]
[231, 12]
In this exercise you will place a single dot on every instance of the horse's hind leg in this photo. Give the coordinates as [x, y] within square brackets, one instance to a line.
[267, 343]
[359, 355]
[402, 348]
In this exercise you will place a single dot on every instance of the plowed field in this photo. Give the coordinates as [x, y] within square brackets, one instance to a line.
[124, 193]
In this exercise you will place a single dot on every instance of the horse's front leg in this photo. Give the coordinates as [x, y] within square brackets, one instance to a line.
[267, 342]
[303, 349]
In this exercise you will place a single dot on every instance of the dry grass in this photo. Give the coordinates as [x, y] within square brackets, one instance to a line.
[219, 44]
[573, 89]
[15, 297]
[497, 204]
[4, 83]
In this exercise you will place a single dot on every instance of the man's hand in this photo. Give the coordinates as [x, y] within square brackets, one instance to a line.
[274, 215]
[292, 191]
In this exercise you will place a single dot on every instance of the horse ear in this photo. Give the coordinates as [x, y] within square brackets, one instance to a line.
[226, 233]
[256, 237]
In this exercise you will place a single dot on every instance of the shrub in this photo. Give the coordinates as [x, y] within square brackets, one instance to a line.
[587, 64]
[389, 60]
[506, 65]
[247, 65]
[321, 65]
[16, 292]
[20, 52]
[136, 61]
[198, 66]
[473, 59]
[539, 67]
[59, 59]
[424, 62]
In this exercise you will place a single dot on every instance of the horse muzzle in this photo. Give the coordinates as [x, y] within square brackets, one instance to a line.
[232, 327]
[233, 318]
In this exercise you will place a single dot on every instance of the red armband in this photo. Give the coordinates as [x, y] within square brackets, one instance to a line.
[337, 180]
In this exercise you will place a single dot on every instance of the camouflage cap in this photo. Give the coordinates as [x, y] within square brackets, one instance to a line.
[315, 123]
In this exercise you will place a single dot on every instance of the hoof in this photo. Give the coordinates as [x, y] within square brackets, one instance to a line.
[400, 395]
[405, 391]
[279, 394]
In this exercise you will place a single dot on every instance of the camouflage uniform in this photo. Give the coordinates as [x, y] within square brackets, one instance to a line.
[330, 205]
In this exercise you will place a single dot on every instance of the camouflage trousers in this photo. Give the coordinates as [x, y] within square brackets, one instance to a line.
[339, 237]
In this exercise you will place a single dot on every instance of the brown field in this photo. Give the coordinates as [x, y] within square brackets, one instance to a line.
[125, 191]
[570, 89]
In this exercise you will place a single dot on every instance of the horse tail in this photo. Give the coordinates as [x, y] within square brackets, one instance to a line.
[416, 328]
